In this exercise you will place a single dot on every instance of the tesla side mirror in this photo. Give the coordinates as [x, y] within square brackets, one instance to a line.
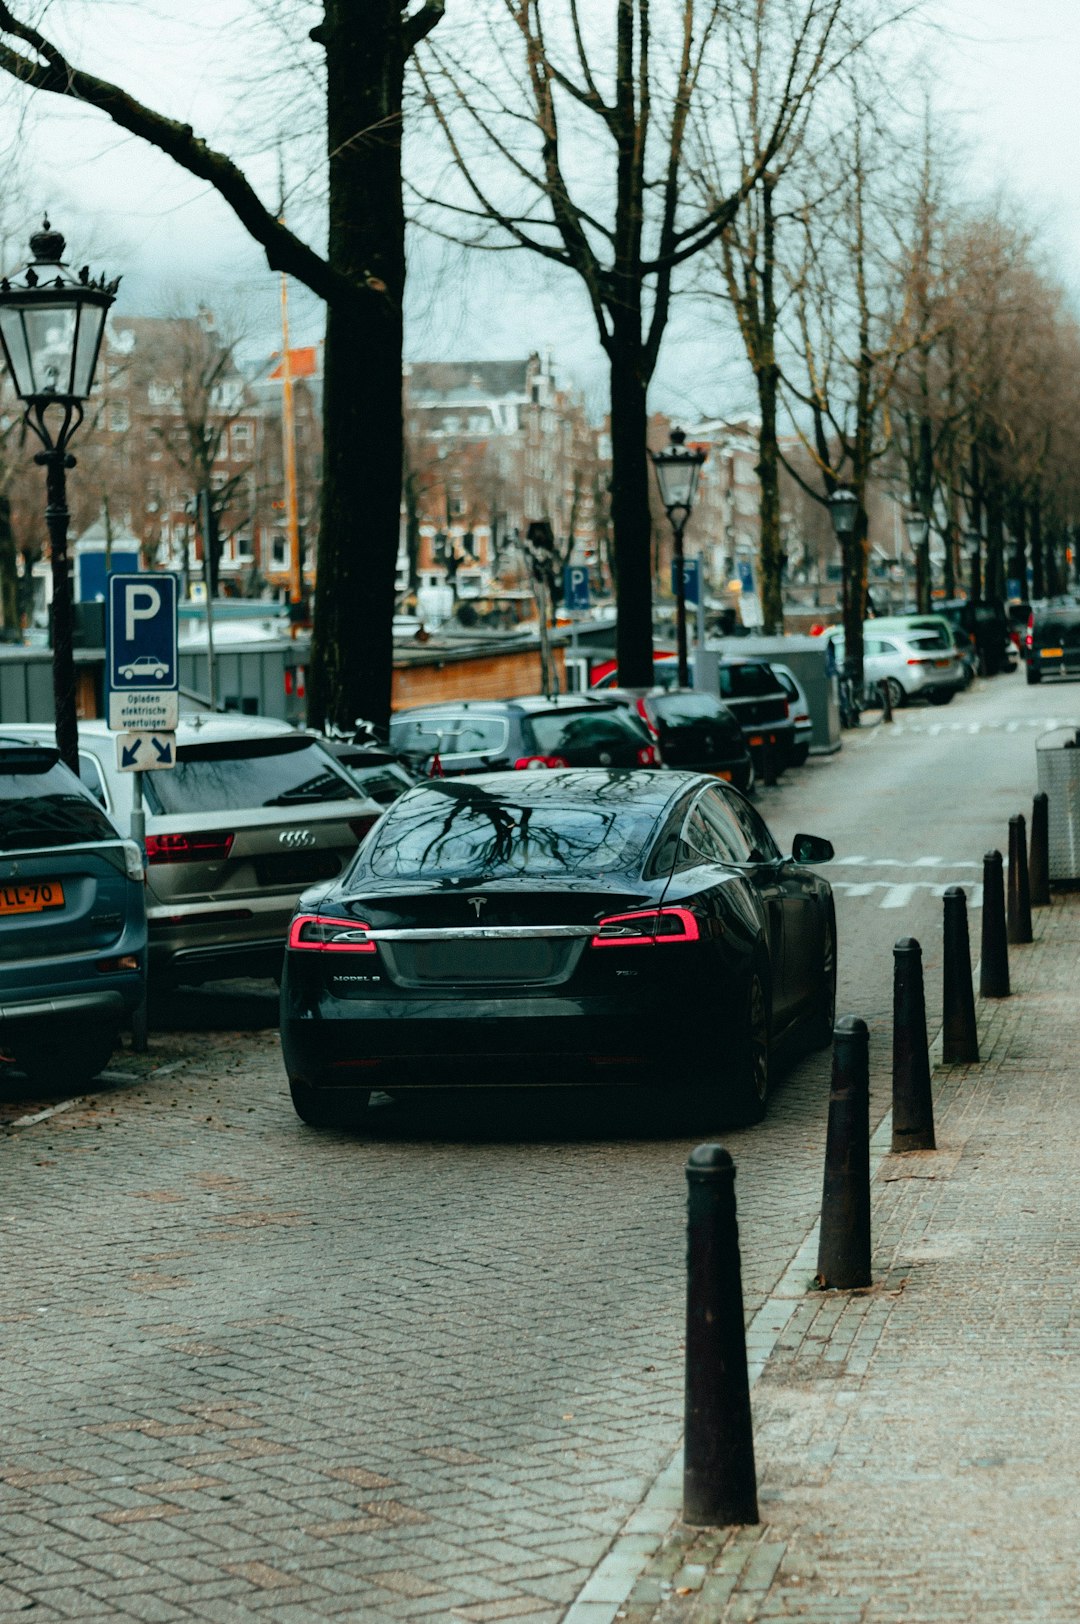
[812, 849]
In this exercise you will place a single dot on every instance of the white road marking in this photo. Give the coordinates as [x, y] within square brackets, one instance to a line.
[900, 896]
[903, 862]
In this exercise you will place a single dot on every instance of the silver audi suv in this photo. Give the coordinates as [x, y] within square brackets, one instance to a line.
[254, 812]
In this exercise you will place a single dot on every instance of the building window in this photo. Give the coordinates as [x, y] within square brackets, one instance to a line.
[162, 394]
[241, 439]
[119, 417]
[279, 553]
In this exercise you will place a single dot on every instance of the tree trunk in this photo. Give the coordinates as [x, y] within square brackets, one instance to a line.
[352, 652]
[1038, 576]
[768, 468]
[994, 585]
[631, 520]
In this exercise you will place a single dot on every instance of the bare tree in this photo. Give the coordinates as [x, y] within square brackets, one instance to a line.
[361, 278]
[575, 137]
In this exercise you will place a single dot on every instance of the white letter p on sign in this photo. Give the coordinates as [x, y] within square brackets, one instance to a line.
[132, 594]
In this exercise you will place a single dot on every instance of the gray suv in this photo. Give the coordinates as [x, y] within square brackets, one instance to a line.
[253, 813]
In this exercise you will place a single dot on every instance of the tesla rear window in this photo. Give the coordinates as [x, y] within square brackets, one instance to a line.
[463, 830]
[235, 775]
[45, 808]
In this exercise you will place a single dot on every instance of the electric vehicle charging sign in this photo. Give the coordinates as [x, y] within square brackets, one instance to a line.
[141, 663]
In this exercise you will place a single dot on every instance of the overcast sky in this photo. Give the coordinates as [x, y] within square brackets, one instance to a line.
[1007, 73]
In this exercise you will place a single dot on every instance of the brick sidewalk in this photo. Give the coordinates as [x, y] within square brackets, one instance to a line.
[917, 1443]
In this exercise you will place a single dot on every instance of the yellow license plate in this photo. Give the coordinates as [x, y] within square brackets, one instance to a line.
[1051, 653]
[31, 897]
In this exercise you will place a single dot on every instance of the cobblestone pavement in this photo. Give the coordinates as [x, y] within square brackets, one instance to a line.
[916, 1443]
[256, 1371]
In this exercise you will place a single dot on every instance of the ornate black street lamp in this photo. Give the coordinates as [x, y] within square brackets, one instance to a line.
[974, 547]
[51, 324]
[918, 533]
[843, 507]
[677, 470]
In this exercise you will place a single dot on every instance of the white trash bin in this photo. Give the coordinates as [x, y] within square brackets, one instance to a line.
[1057, 757]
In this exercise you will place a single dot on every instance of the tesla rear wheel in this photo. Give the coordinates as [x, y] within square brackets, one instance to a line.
[823, 1017]
[320, 1108]
[751, 1089]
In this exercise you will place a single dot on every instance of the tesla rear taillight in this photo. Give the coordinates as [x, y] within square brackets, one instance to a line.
[654, 926]
[643, 711]
[211, 847]
[529, 762]
[318, 935]
[648, 756]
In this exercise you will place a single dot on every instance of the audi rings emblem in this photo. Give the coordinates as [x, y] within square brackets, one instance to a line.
[295, 838]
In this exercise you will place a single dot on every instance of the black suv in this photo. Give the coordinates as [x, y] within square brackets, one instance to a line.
[1053, 641]
[487, 735]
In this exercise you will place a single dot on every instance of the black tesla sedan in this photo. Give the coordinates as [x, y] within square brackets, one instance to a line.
[545, 928]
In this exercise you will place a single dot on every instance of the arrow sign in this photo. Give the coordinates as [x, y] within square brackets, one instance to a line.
[145, 752]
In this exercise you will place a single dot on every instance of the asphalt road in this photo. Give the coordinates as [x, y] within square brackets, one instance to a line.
[427, 1370]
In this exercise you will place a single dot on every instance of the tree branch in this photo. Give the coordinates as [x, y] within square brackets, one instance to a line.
[284, 251]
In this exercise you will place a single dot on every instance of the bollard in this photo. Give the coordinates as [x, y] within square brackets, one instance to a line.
[1040, 851]
[913, 1100]
[719, 1479]
[886, 702]
[844, 1245]
[1019, 902]
[768, 762]
[994, 971]
[960, 1037]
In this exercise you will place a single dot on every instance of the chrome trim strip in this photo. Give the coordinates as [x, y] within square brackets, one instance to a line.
[488, 933]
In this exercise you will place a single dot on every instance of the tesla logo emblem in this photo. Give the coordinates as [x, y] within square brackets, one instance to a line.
[477, 903]
[295, 838]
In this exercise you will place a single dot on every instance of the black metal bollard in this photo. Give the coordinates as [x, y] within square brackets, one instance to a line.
[719, 1478]
[768, 761]
[960, 1037]
[886, 702]
[1040, 851]
[994, 972]
[913, 1100]
[1019, 899]
[844, 1244]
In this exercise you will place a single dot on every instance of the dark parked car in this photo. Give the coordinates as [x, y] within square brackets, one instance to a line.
[753, 693]
[376, 773]
[468, 736]
[1054, 646]
[550, 927]
[72, 921]
[694, 731]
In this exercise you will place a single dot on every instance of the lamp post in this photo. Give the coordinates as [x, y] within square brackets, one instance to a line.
[677, 471]
[974, 546]
[51, 324]
[918, 534]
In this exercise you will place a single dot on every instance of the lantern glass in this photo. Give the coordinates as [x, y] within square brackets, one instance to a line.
[917, 530]
[677, 476]
[842, 510]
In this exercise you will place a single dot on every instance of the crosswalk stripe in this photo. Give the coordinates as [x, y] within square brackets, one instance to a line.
[900, 896]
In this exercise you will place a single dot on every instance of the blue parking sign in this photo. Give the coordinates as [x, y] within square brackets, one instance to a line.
[691, 574]
[575, 587]
[141, 664]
